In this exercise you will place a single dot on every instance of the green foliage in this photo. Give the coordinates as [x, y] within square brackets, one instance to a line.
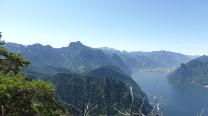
[11, 62]
[18, 97]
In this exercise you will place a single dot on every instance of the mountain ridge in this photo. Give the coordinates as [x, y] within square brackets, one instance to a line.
[79, 57]
[76, 57]
[154, 59]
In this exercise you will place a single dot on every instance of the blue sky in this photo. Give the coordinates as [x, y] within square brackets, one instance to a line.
[132, 25]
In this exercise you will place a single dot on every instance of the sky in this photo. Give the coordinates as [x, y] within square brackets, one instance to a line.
[132, 25]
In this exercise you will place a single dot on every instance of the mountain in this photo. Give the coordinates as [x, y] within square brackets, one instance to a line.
[107, 87]
[193, 72]
[113, 72]
[117, 74]
[155, 59]
[15, 47]
[80, 58]
[163, 58]
[103, 88]
[75, 57]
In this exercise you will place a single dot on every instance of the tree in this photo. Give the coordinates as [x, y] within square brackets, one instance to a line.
[18, 95]
[21, 97]
[10, 62]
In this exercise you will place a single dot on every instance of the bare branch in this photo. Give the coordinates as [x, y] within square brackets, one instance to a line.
[201, 113]
[89, 108]
[125, 114]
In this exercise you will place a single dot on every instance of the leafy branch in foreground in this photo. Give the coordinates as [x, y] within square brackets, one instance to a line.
[11, 62]
[21, 97]
[18, 95]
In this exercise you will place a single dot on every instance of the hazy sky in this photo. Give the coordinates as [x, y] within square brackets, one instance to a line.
[133, 25]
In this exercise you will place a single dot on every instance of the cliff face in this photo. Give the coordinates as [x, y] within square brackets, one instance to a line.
[193, 72]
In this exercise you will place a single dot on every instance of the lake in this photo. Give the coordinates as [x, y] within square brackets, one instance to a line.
[179, 99]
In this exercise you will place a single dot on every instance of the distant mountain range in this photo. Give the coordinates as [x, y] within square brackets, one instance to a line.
[75, 57]
[193, 72]
[155, 59]
[80, 58]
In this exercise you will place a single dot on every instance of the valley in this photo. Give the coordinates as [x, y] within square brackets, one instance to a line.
[103, 58]
[68, 68]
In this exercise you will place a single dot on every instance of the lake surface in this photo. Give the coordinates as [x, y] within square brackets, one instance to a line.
[179, 99]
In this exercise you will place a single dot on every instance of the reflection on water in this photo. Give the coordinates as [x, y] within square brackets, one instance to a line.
[180, 100]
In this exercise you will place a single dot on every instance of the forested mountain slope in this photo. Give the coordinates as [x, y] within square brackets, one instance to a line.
[193, 72]
[105, 89]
